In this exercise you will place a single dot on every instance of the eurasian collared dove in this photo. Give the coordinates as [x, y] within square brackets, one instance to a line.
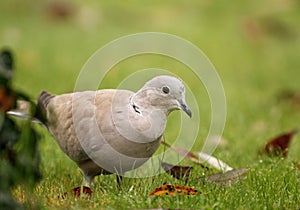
[112, 131]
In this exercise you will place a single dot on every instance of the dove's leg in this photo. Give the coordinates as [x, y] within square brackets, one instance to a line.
[119, 180]
[89, 170]
[88, 180]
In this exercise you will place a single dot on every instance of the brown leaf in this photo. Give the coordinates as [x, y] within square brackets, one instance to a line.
[279, 145]
[230, 177]
[171, 190]
[179, 172]
[188, 155]
[214, 162]
[85, 191]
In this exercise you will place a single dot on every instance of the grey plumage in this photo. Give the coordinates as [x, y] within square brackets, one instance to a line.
[112, 131]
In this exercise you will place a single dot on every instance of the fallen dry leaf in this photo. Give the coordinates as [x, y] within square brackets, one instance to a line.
[279, 145]
[179, 172]
[85, 191]
[215, 162]
[189, 155]
[171, 190]
[228, 178]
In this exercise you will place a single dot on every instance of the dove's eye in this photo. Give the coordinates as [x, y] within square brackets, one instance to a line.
[165, 89]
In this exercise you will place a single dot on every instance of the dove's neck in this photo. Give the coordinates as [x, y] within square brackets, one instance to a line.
[144, 102]
[148, 121]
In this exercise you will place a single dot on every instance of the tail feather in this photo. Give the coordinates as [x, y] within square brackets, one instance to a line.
[43, 101]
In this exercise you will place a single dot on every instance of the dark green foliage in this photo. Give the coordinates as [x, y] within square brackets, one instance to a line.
[6, 67]
[19, 155]
[9, 133]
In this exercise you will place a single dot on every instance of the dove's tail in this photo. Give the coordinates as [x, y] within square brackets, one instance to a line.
[42, 103]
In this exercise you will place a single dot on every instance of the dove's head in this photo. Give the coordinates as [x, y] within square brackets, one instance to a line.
[165, 92]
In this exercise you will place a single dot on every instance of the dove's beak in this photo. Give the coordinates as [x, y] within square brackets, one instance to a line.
[185, 108]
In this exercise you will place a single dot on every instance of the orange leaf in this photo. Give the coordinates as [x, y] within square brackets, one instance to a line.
[171, 190]
[279, 145]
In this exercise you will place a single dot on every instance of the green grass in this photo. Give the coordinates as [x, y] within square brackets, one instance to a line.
[255, 48]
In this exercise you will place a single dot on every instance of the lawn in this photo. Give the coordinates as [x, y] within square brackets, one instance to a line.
[255, 48]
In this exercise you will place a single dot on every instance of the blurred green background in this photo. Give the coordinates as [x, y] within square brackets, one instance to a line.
[254, 45]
